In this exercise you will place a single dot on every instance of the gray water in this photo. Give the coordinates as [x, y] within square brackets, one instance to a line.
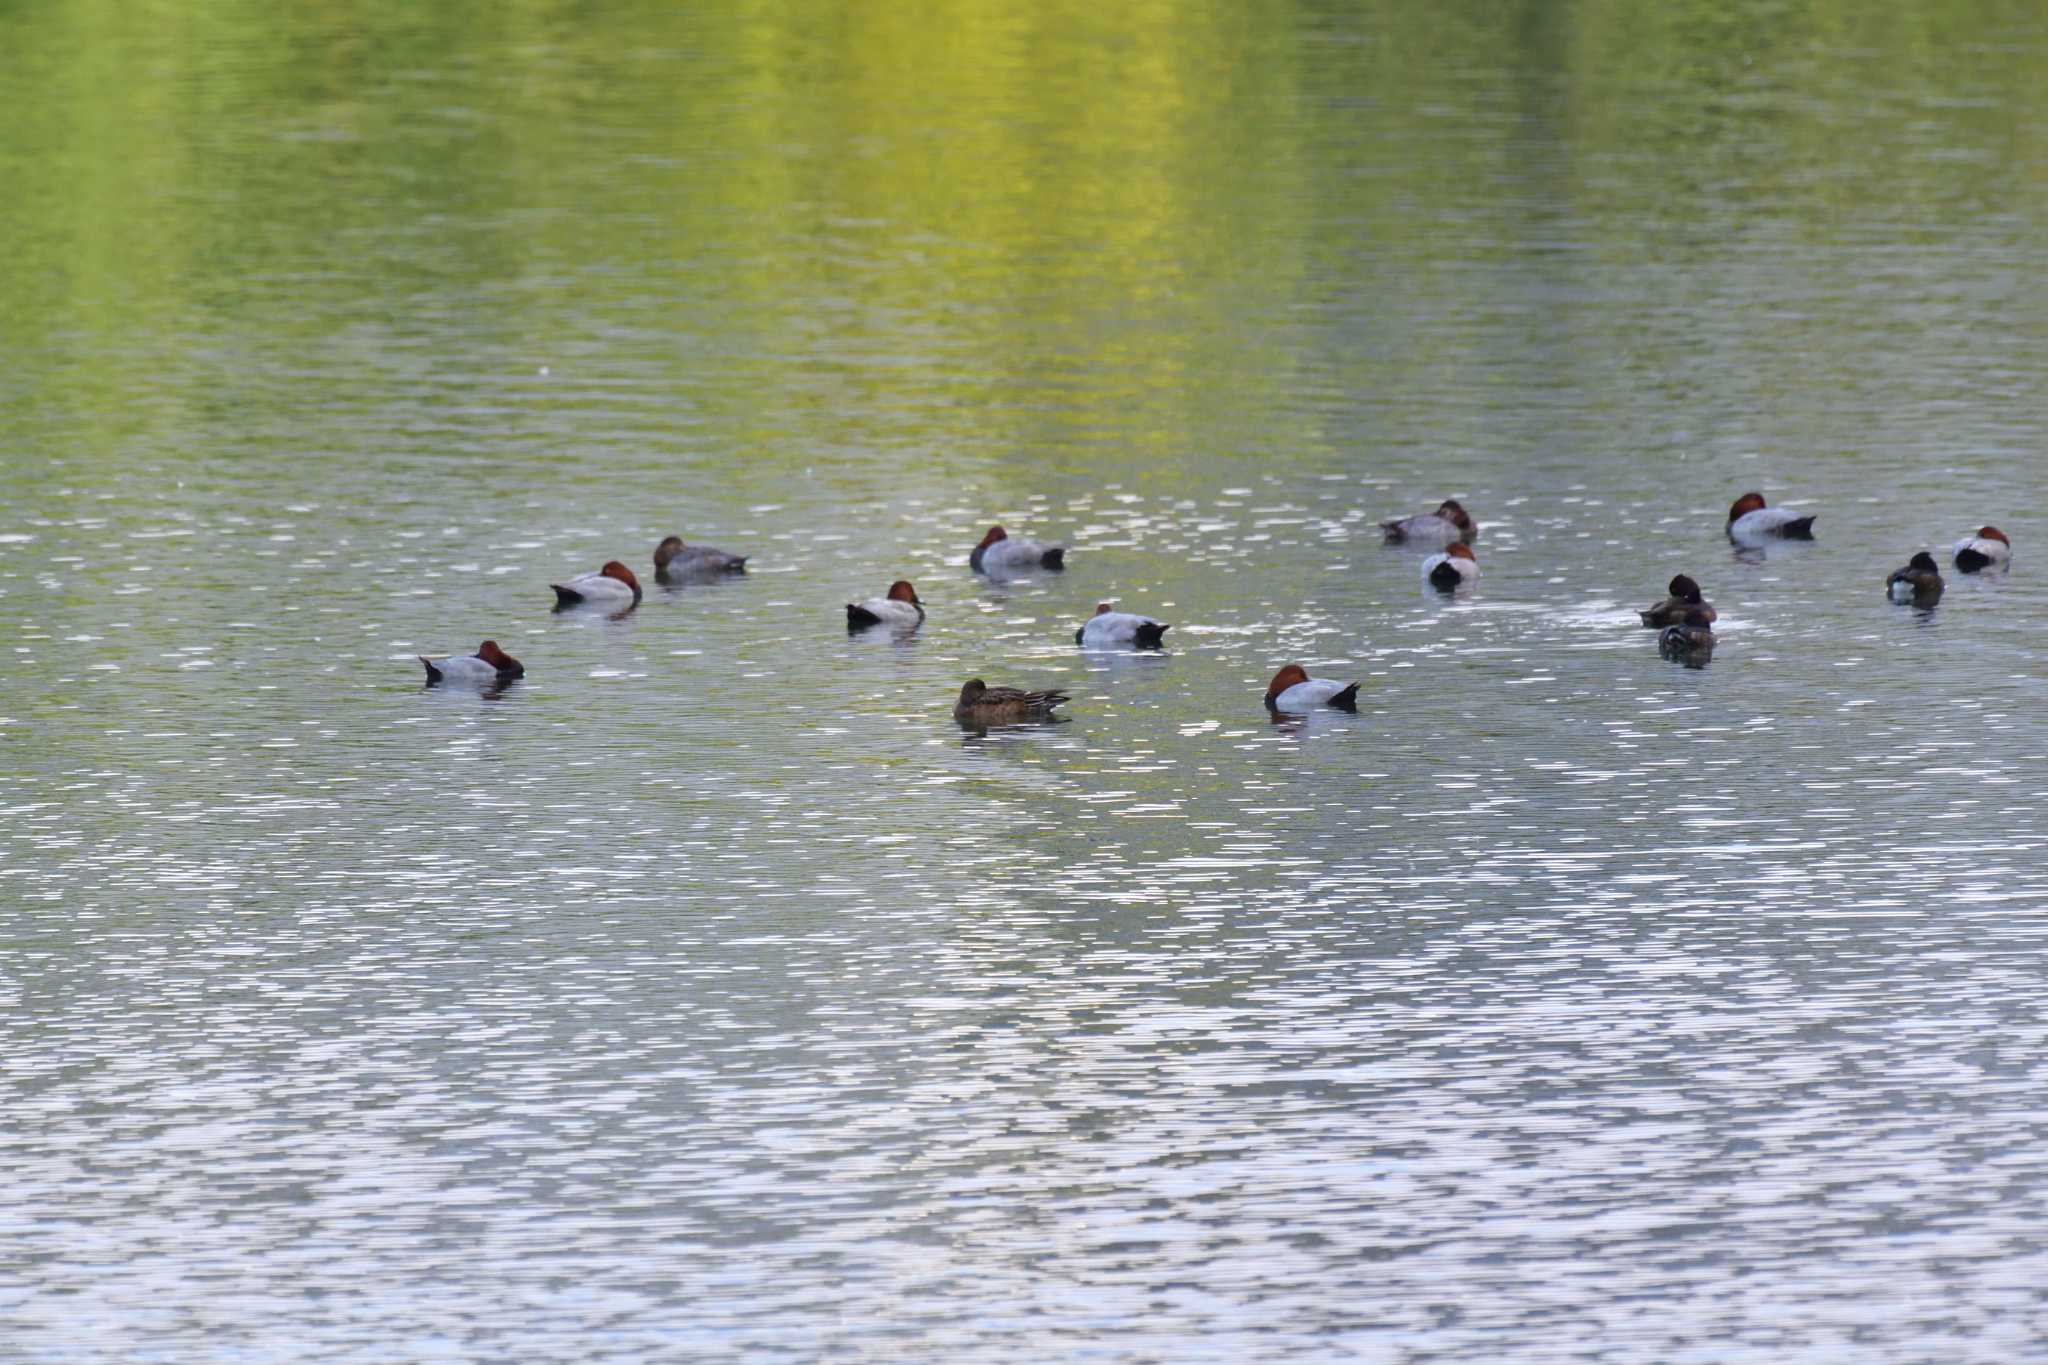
[709, 993]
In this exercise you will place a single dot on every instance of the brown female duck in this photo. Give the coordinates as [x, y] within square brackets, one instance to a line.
[981, 704]
[1918, 584]
[677, 562]
[1684, 599]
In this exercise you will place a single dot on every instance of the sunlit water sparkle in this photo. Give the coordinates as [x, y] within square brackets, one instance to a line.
[709, 992]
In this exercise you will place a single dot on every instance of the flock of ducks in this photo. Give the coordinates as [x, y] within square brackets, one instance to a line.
[1684, 619]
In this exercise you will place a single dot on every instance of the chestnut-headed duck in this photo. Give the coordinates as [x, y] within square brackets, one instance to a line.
[676, 562]
[611, 586]
[1108, 629]
[1988, 549]
[1749, 521]
[1450, 522]
[980, 704]
[1455, 568]
[899, 607]
[1685, 597]
[1292, 689]
[1919, 583]
[999, 552]
[1689, 640]
[490, 666]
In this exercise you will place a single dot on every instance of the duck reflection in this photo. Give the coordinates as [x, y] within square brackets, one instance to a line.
[1691, 640]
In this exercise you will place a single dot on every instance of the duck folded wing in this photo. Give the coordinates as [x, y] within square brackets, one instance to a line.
[1021, 699]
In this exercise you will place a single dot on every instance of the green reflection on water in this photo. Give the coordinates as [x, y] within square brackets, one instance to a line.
[1028, 242]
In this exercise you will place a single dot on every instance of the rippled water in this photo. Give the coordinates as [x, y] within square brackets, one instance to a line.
[710, 993]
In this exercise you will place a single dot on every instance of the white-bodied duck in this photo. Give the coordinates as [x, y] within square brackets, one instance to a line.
[1988, 549]
[1450, 522]
[1292, 689]
[490, 666]
[898, 607]
[611, 586]
[1750, 522]
[1456, 567]
[1000, 552]
[1110, 629]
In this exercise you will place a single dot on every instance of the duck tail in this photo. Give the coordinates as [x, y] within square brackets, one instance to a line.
[1347, 700]
[1152, 634]
[1395, 531]
[1444, 578]
[565, 597]
[738, 565]
[859, 617]
[1079, 633]
[1801, 529]
[1971, 561]
[1055, 558]
[433, 673]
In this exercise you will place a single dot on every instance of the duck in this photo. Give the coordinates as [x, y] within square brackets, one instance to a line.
[1749, 521]
[613, 585]
[1685, 597]
[1919, 583]
[677, 562]
[1450, 522]
[1988, 549]
[490, 666]
[1000, 553]
[1292, 689]
[898, 607]
[1456, 567]
[1107, 629]
[980, 704]
[1690, 639]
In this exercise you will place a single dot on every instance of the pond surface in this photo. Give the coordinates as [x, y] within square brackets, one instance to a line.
[709, 993]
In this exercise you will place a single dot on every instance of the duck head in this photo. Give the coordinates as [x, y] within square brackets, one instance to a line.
[995, 533]
[667, 550]
[507, 666]
[1924, 562]
[614, 569]
[1993, 533]
[1284, 679]
[1460, 550]
[901, 591]
[1684, 589]
[970, 693]
[1454, 512]
[1744, 505]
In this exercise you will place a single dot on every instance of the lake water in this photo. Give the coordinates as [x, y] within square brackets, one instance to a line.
[710, 993]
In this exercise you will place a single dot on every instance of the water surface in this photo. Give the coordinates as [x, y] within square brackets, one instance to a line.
[709, 993]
